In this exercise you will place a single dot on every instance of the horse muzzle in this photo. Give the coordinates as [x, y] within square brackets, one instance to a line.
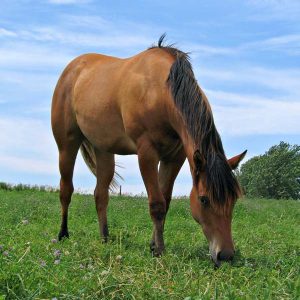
[224, 255]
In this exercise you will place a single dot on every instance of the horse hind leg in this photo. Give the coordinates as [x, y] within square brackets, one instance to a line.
[67, 157]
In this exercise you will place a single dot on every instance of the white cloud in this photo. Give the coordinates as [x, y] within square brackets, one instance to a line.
[289, 43]
[28, 165]
[29, 81]
[240, 115]
[89, 31]
[7, 33]
[52, 47]
[22, 55]
[284, 81]
[274, 10]
[21, 134]
[203, 50]
[68, 1]
[97, 39]
[30, 146]
[95, 22]
[282, 40]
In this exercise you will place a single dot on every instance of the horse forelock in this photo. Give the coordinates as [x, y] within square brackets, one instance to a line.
[221, 184]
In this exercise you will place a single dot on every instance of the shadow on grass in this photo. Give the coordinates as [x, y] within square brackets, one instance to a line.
[190, 253]
[239, 261]
[255, 263]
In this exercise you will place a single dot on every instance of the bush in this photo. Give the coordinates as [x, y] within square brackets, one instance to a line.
[26, 187]
[5, 186]
[274, 174]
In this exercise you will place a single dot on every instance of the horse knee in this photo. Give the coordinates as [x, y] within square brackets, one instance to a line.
[101, 198]
[101, 204]
[66, 191]
[158, 210]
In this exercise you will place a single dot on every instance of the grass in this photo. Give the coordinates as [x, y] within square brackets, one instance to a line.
[266, 233]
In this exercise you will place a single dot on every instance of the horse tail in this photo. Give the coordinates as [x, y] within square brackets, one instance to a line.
[89, 157]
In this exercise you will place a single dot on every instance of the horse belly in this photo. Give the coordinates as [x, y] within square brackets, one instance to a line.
[106, 133]
[123, 146]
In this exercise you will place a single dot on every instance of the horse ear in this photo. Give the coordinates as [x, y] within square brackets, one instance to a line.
[198, 161]
[234, 161]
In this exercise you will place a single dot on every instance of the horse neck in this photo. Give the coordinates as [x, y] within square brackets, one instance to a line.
[178, 124]
[190, 148]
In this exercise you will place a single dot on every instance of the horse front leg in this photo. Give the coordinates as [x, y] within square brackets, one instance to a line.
[148, 163]
[168, 171]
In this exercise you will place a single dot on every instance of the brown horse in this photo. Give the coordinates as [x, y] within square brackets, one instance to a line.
[149, 105]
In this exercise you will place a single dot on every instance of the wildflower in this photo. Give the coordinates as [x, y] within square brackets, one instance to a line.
[25, 222]
[57, 262]
[81, 266]
[1, 247]
[5, 253]
[54, 241]
[43, 263]
[57, 253]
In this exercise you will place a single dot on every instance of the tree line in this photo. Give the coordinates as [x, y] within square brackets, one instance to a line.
[275, 174]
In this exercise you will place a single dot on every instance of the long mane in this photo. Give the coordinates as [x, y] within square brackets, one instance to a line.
[221, 184]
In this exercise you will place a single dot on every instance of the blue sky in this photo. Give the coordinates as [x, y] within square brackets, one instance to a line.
[245, 54]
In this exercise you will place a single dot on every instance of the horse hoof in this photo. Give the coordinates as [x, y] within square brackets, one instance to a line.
[63, 235]
[157, 253]
[152, 246]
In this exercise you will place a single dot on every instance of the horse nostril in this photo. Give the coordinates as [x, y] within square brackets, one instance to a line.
[225, 255]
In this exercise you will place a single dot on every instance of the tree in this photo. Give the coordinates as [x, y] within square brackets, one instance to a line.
[274, 174]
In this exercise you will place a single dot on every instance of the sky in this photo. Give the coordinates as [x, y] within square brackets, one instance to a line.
[245, 55]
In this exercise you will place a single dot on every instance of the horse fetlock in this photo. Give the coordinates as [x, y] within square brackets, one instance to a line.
[158, 210]
[104, 233]
[157, 244]
[152, 245]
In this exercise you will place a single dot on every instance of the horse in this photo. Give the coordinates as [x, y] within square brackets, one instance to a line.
[150, 105]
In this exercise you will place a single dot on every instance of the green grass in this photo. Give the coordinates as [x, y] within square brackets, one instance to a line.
[266, 266]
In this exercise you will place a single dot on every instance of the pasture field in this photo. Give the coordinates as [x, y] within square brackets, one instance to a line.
[33, 266]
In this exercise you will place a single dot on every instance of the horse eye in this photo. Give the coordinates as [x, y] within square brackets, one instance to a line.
[204, 200]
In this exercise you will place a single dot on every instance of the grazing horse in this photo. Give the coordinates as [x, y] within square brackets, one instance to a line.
[150, 105]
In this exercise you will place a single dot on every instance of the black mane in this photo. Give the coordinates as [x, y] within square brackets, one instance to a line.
[221, 183]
